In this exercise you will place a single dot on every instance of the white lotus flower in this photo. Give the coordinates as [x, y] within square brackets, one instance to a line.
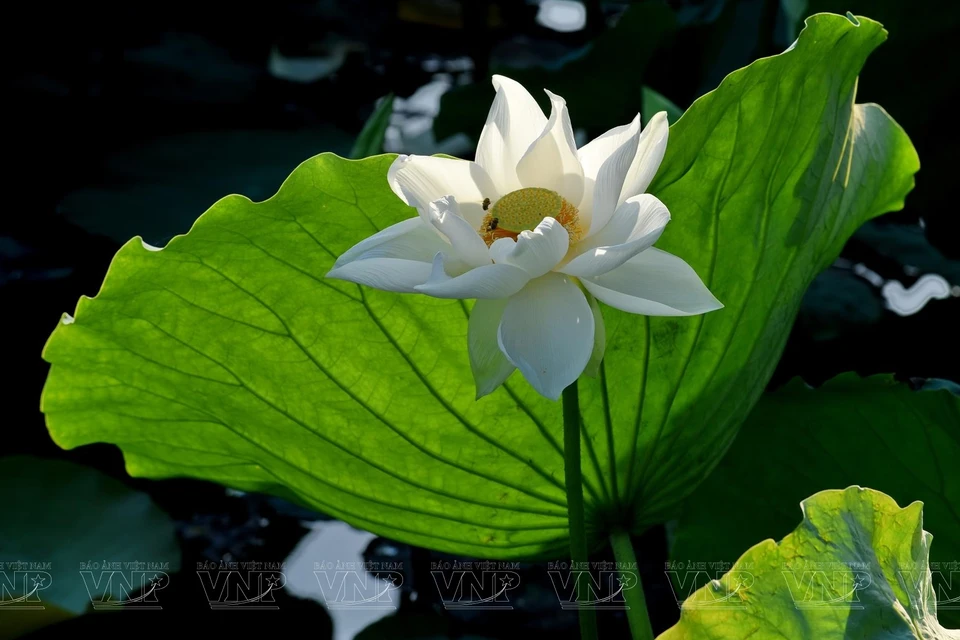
[524, 230]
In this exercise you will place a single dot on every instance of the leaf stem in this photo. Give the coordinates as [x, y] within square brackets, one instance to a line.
[637, 616]
[574, 483]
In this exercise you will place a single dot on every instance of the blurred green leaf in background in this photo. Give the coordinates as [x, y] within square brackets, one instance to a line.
[370, 140]
[68, 521]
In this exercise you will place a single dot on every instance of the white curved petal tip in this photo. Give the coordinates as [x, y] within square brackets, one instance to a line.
[654, 283]
[386, 274]
[651, 147]
[410, 239]
[395, 167]
[551, 159]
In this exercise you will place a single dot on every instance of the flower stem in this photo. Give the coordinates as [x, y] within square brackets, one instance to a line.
[574, 483]
[637, 615]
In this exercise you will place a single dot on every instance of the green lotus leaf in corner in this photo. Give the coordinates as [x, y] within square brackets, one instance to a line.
[873, 432]
[855, 569]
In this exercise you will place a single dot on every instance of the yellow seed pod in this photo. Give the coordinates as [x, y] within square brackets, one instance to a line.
[524, 209]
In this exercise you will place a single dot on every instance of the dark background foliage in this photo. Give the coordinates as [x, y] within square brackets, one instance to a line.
[132, 118]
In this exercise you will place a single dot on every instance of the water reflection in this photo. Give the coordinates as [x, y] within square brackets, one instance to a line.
[353, 598]
[565, 16]
[906, 302]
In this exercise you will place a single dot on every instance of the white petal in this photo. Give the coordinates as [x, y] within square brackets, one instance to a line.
[650, 149]
[599, 339]
[490, 367]
[419, 180]
[654, 283]
[547, 332]
[537, 251]
[388, 274]
[466, 244]
[551, 161]
[514, 121]
[637, 224]
[410, 240]
[605, 162]
[487, 282]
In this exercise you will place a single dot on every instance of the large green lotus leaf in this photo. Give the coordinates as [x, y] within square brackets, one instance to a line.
[766, 177]
[227, 356]
[797, 441]
[58, 516]
[856, 568]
